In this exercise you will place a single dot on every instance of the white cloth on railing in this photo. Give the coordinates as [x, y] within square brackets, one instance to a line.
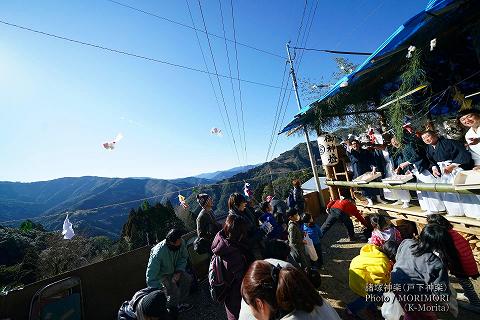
[429, 201]
[458, 204]
[471, 205]
[451, 200]
[391, 194]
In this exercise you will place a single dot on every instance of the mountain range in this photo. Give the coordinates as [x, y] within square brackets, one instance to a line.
[278, 172]
[225, 174]
[100, 206]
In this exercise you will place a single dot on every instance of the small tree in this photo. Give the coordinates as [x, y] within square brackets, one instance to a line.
[29, 225]
[329, 114]
[267, 191]
[149, 226]
[63, 255]
[187, 218]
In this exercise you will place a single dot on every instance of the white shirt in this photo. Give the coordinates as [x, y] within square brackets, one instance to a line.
[324, 312]
[474, 149]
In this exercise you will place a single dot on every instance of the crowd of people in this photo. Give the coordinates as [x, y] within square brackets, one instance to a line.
[428, 157]
[265, 258]
[268, 273]
[259, 260]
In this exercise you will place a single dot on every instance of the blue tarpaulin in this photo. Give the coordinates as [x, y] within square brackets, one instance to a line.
[438, 16]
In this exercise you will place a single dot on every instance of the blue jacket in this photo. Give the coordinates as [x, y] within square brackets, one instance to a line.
[315, 233]
[165, 262]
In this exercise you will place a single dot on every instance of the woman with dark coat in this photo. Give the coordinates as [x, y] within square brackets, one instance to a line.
[467, 267]
[421, 264]
[237, 204]
[229, 246]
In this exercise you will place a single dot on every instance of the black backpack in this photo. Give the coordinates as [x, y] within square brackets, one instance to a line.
[218, 279]
[126, 312]
[202, 245]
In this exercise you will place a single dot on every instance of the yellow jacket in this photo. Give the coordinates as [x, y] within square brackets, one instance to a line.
[370, 267]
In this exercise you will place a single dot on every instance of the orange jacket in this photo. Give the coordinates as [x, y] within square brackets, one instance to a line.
[347, 207]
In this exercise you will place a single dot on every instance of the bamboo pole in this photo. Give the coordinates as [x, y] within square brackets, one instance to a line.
[432, 187]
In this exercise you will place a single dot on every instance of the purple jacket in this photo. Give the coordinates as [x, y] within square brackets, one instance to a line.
[236, 266]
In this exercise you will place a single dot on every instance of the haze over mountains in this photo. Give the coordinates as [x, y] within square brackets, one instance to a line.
[220, 175]
[100, 206]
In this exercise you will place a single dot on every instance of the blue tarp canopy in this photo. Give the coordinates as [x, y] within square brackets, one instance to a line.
[456, 26]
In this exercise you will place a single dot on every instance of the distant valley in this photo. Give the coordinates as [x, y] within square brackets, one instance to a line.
[112, 198]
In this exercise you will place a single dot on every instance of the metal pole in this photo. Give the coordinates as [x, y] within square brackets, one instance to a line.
[307, 139]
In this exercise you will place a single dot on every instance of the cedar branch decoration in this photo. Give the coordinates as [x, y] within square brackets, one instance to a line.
[412, 76]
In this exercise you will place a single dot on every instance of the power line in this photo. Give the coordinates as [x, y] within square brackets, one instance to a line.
[306, 34]
[281, 123]
[301, 21]
[151, 197]
[193, 28]
[206, 67]
[276, 112]
[122, 52]
[283, 106]
[218, 80]
[304, 40]
[230, 74]
[278, 109]
[239, 86]
[335, 51]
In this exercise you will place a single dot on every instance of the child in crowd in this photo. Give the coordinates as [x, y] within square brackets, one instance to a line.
[295, 239]
[383, 231]
[424, 262]
[372, 266]
[267, 217]
[314, 232]
[468, 266]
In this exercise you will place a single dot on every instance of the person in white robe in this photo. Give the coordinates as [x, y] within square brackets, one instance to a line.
[451, 157]
[471, 119]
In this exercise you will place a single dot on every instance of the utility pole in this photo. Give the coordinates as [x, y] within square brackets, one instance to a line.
[307, 139]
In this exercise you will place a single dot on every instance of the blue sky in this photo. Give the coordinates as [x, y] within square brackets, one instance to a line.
[59, 101]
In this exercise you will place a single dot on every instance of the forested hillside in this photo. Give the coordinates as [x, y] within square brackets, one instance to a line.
[274, 176]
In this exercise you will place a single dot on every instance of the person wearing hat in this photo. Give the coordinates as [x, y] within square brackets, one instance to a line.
[471, 119]
[207, 226]
[146, 304]
[166, 270]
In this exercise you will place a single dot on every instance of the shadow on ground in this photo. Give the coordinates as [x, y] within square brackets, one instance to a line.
[338, 253]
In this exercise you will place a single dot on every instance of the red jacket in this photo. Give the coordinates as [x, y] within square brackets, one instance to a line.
[347, 206]
[465, 255]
